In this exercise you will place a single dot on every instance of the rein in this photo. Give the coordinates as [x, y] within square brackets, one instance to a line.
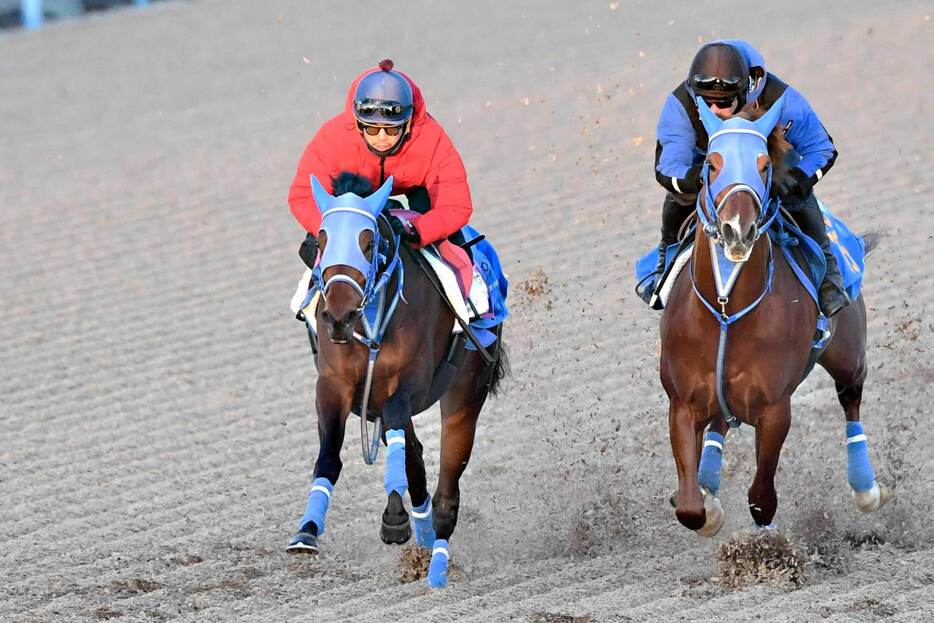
[374, 293]
[763, 222]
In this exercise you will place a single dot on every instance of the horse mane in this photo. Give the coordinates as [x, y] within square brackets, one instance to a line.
[347, 182]
[778, 145]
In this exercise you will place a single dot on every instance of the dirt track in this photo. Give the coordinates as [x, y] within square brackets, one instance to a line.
[156, 430]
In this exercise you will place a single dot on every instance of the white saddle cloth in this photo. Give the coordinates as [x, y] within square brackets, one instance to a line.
[680, 261]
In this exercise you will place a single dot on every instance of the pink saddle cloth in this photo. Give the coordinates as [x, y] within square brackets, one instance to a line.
[453, 255]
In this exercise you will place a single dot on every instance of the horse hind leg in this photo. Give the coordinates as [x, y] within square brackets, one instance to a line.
[418, 489]
[460, 409]
[868, 494]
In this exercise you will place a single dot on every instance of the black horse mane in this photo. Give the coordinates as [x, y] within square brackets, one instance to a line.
[347, 182]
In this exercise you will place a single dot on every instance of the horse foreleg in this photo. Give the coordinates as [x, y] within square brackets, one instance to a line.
[692, 503]
[418, 489]
[332, 416]
[397, 417]
[770, 435]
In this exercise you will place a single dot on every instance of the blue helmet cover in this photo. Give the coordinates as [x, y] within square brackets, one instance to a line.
[343, 219]
[385, 87]
[740, 142]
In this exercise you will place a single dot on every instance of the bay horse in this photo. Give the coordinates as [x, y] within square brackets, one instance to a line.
[736, 284]
[362, 264]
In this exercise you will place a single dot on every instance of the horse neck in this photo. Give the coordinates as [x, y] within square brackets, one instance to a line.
[750, 283]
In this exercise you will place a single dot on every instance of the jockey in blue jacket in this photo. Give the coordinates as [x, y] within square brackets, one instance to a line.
[729, 75]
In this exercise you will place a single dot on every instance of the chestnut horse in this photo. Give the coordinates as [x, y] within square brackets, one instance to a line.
[737, 285]
[395, 370]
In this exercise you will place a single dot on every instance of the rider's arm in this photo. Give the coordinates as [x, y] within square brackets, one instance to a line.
[810, 140]
[674, 150]
[448, 192]
[313, 162]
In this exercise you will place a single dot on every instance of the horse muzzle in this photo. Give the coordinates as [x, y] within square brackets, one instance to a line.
[738, 245]
[340, 330]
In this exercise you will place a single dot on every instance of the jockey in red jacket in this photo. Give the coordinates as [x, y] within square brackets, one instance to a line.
[385, 130]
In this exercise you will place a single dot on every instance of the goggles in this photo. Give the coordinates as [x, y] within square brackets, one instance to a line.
[393, 111]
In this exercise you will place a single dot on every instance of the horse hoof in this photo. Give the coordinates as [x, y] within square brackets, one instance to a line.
[673, 499]
[395, 535]
[872, 500]
[395, 528]
[714, 516]
[303, 543]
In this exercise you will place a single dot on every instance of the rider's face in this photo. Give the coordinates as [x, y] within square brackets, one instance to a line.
[382, 141]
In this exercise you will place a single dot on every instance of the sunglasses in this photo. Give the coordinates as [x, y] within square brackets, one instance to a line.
[373, 130]
[387, 110]
[724, 103]
[703, 82]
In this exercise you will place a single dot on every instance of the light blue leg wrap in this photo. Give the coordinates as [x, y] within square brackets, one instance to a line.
[421, 520]
[708, 472]
[858, 467]
[394, 479]
[438, 569]
[317, 506]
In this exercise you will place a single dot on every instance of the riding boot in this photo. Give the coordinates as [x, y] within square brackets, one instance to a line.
[673, 214]
[832, 294]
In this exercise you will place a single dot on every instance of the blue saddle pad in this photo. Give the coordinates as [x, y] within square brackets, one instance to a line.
[847, 247]
[486, 260]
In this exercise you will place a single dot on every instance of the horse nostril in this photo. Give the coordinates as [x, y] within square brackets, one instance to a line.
[751, 234]
[728, 233]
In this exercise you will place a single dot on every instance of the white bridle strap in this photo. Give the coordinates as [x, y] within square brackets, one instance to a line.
[740, 188]
[354, 210]
[345, 279]
[736, 131]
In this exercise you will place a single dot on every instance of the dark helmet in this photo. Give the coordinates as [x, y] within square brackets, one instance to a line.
[719, 73]
[383, 97]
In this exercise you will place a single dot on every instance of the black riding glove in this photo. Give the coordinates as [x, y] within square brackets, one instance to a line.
[794, 187]
[309, 251]
[398, 227]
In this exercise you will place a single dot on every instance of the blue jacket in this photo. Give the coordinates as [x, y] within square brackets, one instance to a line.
[682, 141]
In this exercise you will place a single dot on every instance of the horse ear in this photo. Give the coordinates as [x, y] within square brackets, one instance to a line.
[767, 122]
[711, 121]
[322, 197]
[377, 200]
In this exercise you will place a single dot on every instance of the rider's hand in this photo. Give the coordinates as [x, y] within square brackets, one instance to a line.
[793, 187]
[309, 251]
[398, 227]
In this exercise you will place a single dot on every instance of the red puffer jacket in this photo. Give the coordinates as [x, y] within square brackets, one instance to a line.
[427, 158]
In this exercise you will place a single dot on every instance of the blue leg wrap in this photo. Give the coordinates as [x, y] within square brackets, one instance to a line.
[858, 467]
[317, 506]
[708, 472]
[438, 569]
[421, 520]
[394, 479]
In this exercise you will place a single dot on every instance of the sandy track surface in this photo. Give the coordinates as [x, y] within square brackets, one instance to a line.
[156, 423]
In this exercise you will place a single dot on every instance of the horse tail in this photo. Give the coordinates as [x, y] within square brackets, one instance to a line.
[501, 368]
[871, 240]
